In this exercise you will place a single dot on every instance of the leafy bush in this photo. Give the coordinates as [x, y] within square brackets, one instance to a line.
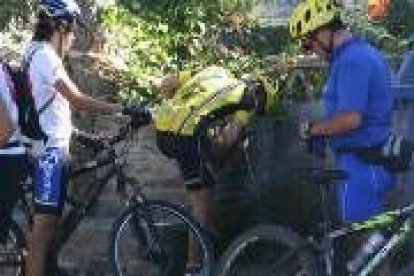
[157, 37]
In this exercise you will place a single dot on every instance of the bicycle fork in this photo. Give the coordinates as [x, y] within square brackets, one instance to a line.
[145, 229]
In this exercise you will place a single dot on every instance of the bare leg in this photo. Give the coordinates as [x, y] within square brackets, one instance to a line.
[43, 229]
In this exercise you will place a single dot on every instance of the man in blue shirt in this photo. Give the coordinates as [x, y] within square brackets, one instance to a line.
[358, 104]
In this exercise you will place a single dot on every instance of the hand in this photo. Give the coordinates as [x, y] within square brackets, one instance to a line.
[304, 130]
[139, 113]
[228, 135]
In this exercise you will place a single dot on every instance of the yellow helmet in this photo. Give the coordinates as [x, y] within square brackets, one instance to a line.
[310, 15]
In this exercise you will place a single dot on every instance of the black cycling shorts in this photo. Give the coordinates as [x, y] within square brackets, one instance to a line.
[186, 150]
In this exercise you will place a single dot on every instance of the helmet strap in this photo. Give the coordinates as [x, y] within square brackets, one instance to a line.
[331, 44]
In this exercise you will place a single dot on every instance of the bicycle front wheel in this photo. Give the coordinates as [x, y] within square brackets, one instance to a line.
[267, 250]
[12, 249]
[155, 240]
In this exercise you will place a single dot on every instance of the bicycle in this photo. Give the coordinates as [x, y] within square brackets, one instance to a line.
[275, 250]
[12, 233]
[112, 157]
[149, 234]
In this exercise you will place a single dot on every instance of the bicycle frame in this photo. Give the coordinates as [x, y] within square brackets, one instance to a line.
[399, 219]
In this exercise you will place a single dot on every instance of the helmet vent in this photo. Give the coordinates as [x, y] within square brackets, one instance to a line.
[328, 7]
[299, 27]
[307, 16]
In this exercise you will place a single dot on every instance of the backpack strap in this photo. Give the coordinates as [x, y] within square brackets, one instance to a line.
[25, 66]
[12, 87]
[47, 104]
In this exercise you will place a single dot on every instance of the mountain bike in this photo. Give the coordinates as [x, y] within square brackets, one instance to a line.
[151, 237]
[111, 156]
[12, 247]
[276, 250]
[12, 238]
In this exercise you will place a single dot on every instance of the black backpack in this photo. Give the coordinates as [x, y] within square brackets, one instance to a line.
[28, 115]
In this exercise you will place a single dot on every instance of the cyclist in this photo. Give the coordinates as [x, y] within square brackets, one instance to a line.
[358, 103]
[53, 36]
[12, 153]
[178, 120]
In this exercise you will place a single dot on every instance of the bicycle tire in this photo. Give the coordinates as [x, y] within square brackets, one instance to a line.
[156, 253]
[244, 256]
[12, 250]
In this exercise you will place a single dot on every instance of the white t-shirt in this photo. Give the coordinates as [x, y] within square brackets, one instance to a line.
[45, 69]
[7, 99]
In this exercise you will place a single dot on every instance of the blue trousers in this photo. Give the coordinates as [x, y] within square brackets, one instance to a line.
[362, 195]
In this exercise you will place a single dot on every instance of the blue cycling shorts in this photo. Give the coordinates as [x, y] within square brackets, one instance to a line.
[362, 195]
[50, 180]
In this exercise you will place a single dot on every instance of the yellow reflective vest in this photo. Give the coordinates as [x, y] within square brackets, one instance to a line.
[198, 96]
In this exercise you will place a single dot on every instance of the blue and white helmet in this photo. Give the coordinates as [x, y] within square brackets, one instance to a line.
[65, 9]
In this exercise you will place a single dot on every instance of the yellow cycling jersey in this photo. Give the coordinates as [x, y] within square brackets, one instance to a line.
[198, 96]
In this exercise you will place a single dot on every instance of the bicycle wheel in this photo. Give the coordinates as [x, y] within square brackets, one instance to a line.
[12, 249]
[155, 241]
[267, 250]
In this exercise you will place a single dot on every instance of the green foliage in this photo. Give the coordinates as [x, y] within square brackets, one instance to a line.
[18, 11]
[163, 36]
[400, 21]
[392, 32]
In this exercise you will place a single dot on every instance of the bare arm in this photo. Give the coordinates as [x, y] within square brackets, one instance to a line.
[337, 125]
[81, 101]
[6, 127]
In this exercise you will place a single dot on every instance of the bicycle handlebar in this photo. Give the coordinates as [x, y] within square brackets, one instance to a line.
[100, 143]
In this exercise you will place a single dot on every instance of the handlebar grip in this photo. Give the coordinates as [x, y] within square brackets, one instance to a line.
[140, 114]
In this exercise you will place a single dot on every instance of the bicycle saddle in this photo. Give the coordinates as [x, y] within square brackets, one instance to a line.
[327, 175]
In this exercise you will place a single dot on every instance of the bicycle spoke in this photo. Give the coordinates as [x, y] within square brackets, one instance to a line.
[280, 264]
[269, 251]
[11, 258]
[156, 243]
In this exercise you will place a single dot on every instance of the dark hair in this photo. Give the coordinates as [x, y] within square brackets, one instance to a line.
[336, 24]
[46, 25]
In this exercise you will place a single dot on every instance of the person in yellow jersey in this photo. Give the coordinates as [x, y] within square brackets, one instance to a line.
[191, 104]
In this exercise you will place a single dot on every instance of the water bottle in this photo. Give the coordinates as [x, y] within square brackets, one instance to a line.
[373, 244]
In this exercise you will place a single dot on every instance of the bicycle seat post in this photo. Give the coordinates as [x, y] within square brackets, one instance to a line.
[323, 183]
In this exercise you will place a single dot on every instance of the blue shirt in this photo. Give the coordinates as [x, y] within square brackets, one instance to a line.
[359, 81]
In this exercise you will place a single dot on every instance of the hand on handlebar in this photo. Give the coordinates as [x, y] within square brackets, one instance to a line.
[304, 130]
[139, 112]
[314, 145]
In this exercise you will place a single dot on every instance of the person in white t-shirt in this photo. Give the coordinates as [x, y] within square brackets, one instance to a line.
[55, 93]
[13, 159]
